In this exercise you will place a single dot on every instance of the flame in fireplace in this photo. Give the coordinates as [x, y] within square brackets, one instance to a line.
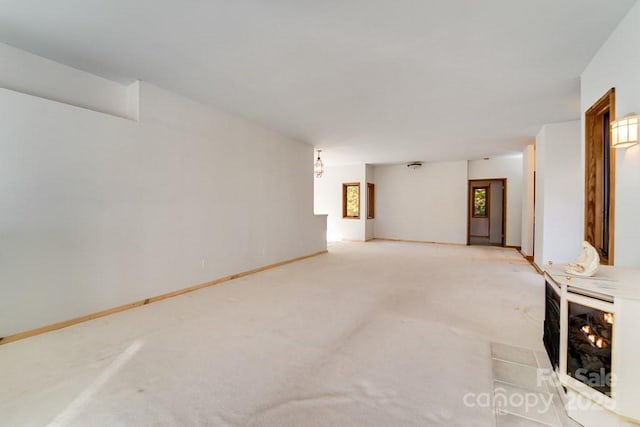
[593, 337]
[608, 317]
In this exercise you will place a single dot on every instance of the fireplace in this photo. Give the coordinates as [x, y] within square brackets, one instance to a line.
[589, 343]
[591, 336]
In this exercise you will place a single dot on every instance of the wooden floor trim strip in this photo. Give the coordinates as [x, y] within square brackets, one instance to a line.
[530, 259]
[70, 322]
[538, 269]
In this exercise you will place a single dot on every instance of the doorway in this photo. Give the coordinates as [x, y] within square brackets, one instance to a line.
[600, 174]
[486, 217]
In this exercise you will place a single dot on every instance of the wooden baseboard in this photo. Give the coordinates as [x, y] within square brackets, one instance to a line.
[384, 239]
[74, 321]
[529, 258]
[517, 248]
[538, 269]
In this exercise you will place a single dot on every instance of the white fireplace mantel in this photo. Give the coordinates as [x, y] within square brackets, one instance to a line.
[616, 290]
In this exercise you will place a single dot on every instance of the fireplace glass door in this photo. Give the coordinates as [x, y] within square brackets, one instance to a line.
[590, 335]
[551, 336]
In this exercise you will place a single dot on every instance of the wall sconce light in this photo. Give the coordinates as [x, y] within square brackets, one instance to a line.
[318, 167]
[414, 165]
[624, 132]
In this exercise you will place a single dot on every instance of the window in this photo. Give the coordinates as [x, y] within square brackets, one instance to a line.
[351, 200]
[371, 201]
[481, 202]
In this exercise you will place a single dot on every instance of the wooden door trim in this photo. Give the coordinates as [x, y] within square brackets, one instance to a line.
[504, 212]
[592, 192]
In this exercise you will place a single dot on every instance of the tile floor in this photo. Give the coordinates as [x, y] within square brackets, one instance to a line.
[522, 396]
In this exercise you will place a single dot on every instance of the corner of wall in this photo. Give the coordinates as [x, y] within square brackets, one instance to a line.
[133, 101]
[30, 74]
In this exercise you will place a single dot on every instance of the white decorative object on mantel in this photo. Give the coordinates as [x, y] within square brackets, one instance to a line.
[587, 263]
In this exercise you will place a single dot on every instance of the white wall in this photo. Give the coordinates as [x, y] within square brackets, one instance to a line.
[617, 65]
[425, 204]
[540, 153]
[509, 167]
[99, 211]
[27, 73]
[528, 203]
[559, 194]
[328, 201]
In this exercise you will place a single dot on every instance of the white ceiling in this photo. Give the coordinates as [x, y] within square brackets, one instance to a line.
[376, 81]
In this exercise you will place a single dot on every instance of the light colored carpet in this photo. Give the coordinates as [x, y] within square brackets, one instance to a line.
[371, 334]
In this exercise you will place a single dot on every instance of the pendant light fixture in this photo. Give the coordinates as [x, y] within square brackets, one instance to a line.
[318, 167]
